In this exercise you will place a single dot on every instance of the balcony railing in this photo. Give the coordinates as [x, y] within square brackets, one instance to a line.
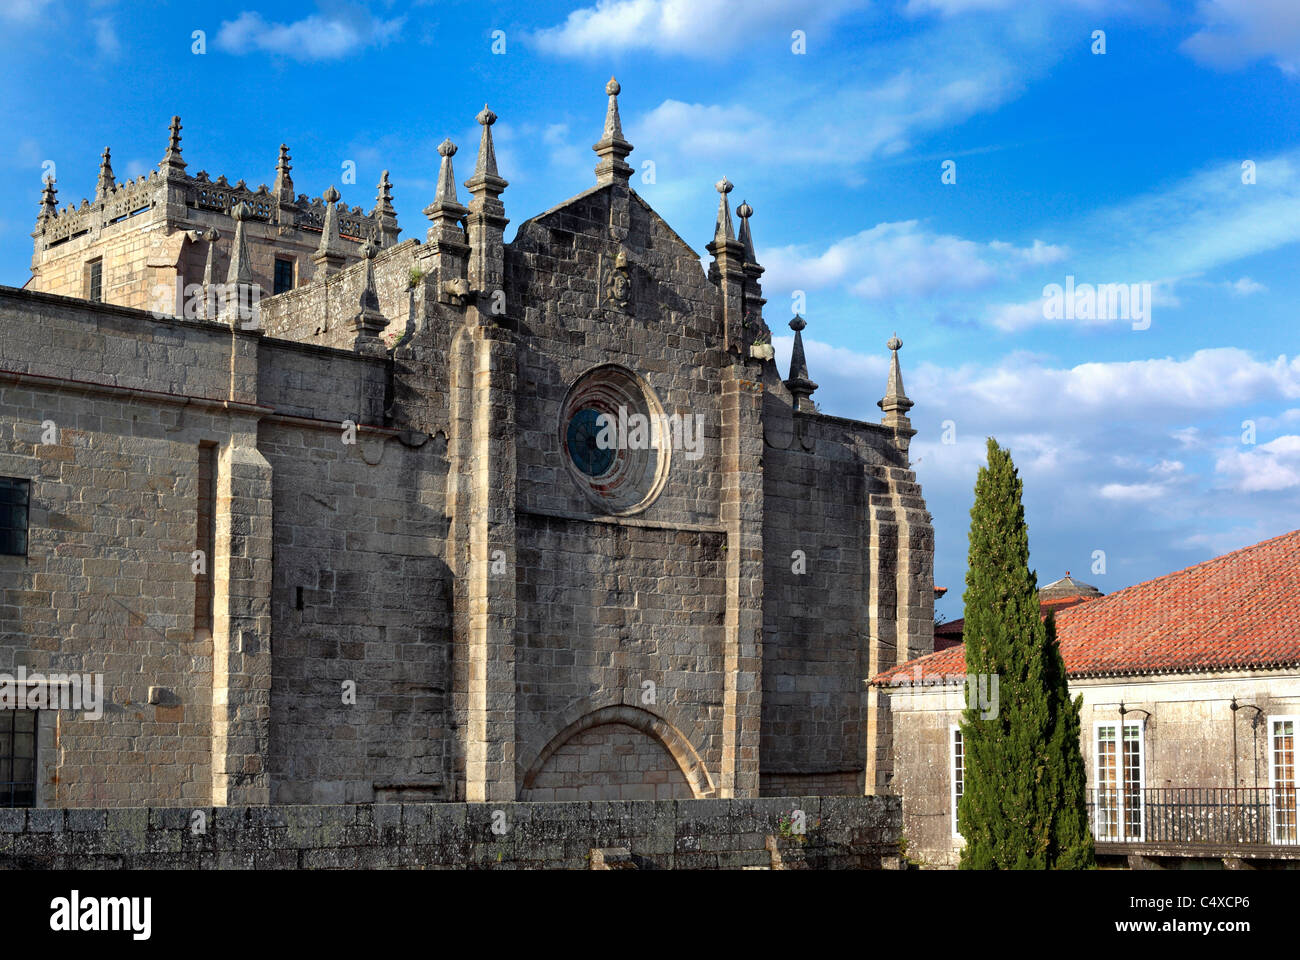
[1195, 815]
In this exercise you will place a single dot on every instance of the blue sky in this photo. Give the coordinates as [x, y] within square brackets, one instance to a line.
[1122, 167]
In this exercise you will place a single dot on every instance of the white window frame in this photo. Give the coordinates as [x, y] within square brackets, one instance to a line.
[1120, 819]
[1273, 723]
[954, 731]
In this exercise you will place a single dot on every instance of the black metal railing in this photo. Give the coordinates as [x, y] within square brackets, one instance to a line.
[1195, 815]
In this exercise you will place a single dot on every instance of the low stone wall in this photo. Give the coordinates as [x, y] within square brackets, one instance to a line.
[841, 833]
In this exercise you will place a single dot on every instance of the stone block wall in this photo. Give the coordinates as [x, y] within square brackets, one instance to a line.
[609, 609]
[821, 545]
[361, 595]
[842, 833]
[322, 313]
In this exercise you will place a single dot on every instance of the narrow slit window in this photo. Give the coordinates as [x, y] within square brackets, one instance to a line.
[958, 776]
[95, 281]
[205, 537]
[15, 499]
[17, 758]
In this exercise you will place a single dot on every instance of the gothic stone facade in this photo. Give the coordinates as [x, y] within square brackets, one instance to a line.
[425, 580]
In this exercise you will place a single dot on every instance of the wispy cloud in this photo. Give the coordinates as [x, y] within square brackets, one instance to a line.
[691, 28]
[24, 11]
[324, 36]
[107, 44]
[903, 259]
[1237, 32]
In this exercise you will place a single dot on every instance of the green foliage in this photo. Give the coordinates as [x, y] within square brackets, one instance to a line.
[1023, 799]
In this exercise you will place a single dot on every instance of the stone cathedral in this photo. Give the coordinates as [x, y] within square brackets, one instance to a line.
[343, 518]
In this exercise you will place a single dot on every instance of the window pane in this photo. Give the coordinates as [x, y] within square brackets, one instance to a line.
[1284, 782]
[17, 758]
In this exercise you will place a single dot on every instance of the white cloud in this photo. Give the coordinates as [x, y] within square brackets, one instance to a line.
[317, 37]
[1140, 459]
[1237, 32]
[107, 43]
[1246, 286]
[1271, 466]
[696, 28]
[1200, 222]
[24, 11]
[903, 259]
[1132, 491]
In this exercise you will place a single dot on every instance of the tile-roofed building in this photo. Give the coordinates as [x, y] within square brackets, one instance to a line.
[1057, 595]
[1236, 611]
[1191, 700]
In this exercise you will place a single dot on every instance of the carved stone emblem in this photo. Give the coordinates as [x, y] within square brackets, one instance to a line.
[618, 283]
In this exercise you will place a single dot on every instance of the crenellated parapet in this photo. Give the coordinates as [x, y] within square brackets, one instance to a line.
[147, 233]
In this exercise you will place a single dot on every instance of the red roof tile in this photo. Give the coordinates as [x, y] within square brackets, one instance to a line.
[1237, 611]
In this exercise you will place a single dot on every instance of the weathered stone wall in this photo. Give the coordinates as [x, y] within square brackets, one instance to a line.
[1187, 740]
[842, 833]
[360, 596]
[606, 609]
[106, 410]
[322, 313]
[824, 569]
[299, 380]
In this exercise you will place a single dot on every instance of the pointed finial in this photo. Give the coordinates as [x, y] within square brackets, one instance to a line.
[446, 210]
[799, 384]
[485, 178]
[369, 322]
[745, 211]
[723, 230]
[329, 255]
[384, 199]
[283, 181]
[106, 184]
[49, 199]
[487, 154]
[446, 192]
[240, 296]
[172, 162]
[895, 403]
[210, 309]
[612, 148]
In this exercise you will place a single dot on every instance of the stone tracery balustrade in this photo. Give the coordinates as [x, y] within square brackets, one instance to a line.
[203, 193]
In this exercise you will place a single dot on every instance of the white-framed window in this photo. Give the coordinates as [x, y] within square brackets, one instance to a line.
[1282, 777]
[956, 771]
[1120, 762]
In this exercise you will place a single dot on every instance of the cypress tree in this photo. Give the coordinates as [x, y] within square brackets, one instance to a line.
[1023, 800]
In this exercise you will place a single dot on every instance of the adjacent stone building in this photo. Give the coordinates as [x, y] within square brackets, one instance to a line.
[1191, 706]
[451, 519]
